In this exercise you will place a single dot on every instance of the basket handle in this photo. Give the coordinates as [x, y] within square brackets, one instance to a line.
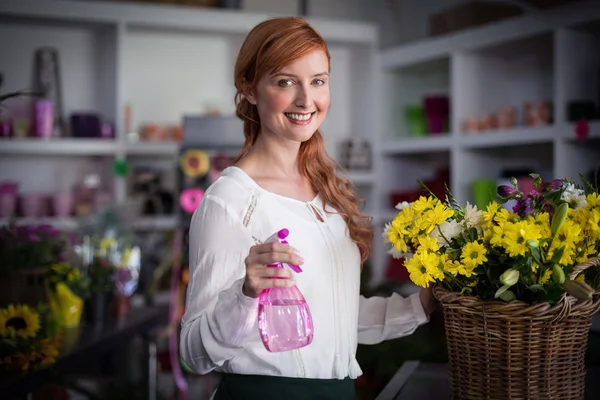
[579, 268]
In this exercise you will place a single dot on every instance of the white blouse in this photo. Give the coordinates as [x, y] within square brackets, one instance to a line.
[219, 328]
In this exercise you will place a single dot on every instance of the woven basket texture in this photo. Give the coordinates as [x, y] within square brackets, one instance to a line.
[509, 351]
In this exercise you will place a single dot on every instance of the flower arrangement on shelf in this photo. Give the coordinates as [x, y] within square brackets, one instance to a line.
[29, 247]
[526, 252]
[67, 288]
[30, 338]
[25, 253]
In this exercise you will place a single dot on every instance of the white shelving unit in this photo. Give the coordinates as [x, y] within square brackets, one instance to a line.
[552, 55]
[165, 61]
[168, 60]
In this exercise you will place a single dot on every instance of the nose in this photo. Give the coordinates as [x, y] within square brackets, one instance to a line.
[303, 97]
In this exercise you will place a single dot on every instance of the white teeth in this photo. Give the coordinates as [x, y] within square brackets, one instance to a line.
[299, 117]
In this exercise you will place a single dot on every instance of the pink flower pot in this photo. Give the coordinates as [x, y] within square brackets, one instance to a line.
[8, 205]
[33, 205]
[62, 204]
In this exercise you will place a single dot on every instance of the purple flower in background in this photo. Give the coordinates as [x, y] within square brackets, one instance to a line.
[524, 206]
[552, 186]
[506, 190]
[48, 230]
[34, 237]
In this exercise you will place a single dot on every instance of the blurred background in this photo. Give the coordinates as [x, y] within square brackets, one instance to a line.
[115, 116]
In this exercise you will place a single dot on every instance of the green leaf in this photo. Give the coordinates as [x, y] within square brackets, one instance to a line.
[9, 343]
[552, 295]
[536, 254]
[466, 289]
[537, 180]
[426, 189]
[557, 255]
[537, 288]
[588, 183]
[501, 290]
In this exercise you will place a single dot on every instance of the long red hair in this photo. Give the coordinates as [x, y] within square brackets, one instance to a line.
[268, 48]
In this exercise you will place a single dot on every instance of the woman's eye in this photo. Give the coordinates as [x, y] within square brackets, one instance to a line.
[285, 83]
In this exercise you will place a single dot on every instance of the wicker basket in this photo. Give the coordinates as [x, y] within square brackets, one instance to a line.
[499, 350]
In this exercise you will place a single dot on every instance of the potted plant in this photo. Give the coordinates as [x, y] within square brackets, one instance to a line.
[30, 338]
[515, 284]
[25, 252]
[66, 290]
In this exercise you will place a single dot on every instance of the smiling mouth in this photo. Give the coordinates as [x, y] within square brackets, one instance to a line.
[301, 119]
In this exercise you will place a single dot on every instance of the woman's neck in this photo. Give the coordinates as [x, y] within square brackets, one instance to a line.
[272, 158]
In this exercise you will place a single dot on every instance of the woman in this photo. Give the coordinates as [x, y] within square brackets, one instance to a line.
[284, 179]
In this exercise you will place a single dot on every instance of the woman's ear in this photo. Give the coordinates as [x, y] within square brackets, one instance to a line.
[251, 98]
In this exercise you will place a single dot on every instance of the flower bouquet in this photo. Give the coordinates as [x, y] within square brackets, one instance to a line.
[66, 289]
[30, 338]
[25, 253]
[514, 283]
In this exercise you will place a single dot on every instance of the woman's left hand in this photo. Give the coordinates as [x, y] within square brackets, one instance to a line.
[428, 301]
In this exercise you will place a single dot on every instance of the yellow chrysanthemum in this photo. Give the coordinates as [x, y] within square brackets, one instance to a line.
[405, 217]
[451, 266]
[423, 204]
[423, 268]
[438, 214]
[542, 221]
[567, 237]
[19, 321]
[396, 237]
[490, 211]
[546, 277]
[593, 200]
[517, 235]
[428, 244]
[473, 254]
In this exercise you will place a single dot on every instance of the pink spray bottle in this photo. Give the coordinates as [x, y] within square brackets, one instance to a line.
[284, 320]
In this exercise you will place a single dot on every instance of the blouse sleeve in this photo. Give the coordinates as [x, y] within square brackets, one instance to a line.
[388, 318]
[218, 318]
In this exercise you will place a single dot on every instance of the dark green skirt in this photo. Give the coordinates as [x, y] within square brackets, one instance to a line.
[262, 387]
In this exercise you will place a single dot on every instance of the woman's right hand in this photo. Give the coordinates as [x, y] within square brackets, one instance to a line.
[259, 275]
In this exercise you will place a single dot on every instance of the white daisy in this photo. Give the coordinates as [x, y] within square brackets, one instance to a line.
[402, 206]
[473, 216]
[398, 254]
[384, 234]
[449, 230]
[574, 197]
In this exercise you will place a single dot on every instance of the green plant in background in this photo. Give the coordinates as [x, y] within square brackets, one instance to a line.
[28, 247]
[64, 272]
[101, 275]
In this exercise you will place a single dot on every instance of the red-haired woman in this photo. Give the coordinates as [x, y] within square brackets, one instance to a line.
[283, 178]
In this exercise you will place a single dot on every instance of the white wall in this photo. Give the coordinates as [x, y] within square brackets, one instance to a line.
[400, 21]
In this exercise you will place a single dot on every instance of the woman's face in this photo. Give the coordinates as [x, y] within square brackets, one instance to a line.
[292, 103]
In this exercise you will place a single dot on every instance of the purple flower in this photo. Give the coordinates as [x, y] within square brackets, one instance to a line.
[506, 190]
[547, 206]
[48, 230]
[552, 186]
[34, 237]
[524, 206]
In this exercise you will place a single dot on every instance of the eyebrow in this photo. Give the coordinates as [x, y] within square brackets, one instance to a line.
[280, 74]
